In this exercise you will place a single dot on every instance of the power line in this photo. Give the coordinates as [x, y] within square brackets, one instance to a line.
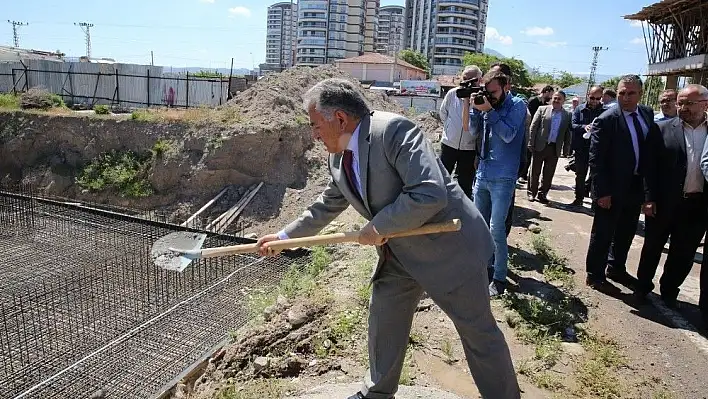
[15, 35]
[86, 27]
[593, 68]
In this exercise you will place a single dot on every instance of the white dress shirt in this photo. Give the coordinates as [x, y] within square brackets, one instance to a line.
[695, 139]
[635, 143]
[353, 146]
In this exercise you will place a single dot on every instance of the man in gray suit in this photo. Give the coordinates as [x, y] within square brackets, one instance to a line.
[549, 136]
[383, 166]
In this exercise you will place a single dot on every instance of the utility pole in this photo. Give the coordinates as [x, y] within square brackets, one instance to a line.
[15, 35]
[593, 68]
[86, 27]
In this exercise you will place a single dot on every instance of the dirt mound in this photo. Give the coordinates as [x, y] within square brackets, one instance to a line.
[276, 99]
[430, 124]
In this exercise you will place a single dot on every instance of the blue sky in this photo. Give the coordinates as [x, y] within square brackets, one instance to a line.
[208, 33]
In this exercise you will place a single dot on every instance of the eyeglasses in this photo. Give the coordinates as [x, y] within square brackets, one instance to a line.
[595, 98]
[688, 103]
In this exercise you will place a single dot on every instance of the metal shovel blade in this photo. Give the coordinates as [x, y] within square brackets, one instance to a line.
[169, 251]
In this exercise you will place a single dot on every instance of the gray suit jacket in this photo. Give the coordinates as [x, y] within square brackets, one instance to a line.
[541, 129]
[405, 186]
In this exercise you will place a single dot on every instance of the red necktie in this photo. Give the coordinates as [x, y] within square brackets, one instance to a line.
[349, 171]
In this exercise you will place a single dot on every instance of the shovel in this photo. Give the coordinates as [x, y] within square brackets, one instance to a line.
[176, 251]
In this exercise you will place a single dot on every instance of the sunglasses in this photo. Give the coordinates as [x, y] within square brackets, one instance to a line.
[594, 98]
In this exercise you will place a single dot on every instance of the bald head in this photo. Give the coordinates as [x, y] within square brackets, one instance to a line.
[692, 103]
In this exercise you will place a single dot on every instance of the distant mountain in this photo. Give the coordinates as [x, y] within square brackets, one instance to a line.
[497, 54]
[223, 71]
[493, 52]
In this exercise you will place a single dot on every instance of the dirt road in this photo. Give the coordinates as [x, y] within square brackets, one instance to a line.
[658, 340]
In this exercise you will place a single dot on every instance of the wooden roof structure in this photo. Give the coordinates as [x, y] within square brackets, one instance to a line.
[666, 11]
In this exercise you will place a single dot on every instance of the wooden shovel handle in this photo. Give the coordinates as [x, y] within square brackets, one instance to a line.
[328, 239]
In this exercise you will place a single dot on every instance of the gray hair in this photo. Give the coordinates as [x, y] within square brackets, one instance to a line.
[335, 94]
[472, 68]
[702, 90]
[631, 79]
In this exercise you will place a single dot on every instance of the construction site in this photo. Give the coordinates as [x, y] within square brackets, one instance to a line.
[85, 311]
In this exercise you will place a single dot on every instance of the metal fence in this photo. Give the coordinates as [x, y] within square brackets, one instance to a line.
[126, 85]
[419, 104]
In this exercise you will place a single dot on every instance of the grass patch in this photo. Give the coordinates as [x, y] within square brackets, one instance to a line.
[407, 374]
[143, 115]
[555, 268]
[101, 109]
[257, 389]
[9, 101]
[299, 280]
[447, 350]
[123, 171]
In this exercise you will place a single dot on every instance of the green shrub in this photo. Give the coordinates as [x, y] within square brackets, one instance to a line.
[142, 115]
[101, 109]
[125, 172]
[9, 101]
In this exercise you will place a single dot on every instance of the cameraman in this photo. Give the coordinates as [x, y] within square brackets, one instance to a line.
[458, 141]
[501, 120]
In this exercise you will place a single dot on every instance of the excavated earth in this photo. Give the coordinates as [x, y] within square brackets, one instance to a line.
[261, 135]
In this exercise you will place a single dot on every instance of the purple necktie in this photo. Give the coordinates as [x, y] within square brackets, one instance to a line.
[349, 171]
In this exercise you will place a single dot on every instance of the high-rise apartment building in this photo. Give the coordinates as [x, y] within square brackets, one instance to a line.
[389, 39]
[444, 30]
[328, 30]
[281, 35]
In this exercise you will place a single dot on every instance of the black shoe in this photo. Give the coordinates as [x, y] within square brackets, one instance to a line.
[542, 199]
[531, 197]
[602, 286]
[622, 277]
[670, 302]
[577, 202]
[640, 297]
[357, 395]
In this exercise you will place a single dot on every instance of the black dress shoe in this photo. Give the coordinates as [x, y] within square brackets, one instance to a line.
[622, 277]
[542, 199]
[360, 395]
[531, 197]
[670, 303]
[602, 286]
[577, 202]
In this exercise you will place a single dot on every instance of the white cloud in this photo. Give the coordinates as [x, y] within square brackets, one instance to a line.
[538, 31]
[637, 40]
[546, 43]
[493, 35]
[240, 11]
[635, 24]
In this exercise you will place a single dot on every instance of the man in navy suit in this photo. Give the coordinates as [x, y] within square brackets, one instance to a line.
[621, 145]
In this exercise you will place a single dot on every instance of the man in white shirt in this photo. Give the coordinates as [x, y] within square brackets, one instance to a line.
[680, 206]
[458, 141]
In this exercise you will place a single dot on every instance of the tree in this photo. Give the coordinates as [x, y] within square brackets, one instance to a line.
[567, 79]
[519, 74]
[611, 83]
[415, 58]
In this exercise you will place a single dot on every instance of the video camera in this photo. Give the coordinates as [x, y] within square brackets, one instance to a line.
[471, 87]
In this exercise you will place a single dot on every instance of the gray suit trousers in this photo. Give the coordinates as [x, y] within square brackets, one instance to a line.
[394, 300]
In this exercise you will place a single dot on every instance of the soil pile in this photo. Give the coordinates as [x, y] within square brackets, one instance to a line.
[430, 125]
[276, 99]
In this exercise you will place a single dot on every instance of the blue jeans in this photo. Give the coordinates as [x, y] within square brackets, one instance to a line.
[493, 198]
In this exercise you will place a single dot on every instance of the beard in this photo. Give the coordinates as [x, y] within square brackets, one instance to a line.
[497, 103]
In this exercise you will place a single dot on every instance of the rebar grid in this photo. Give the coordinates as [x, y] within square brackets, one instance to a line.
[82, 306]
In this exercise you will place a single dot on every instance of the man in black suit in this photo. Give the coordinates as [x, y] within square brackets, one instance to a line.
[680, 210]
[620, 145]
[582, 123]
